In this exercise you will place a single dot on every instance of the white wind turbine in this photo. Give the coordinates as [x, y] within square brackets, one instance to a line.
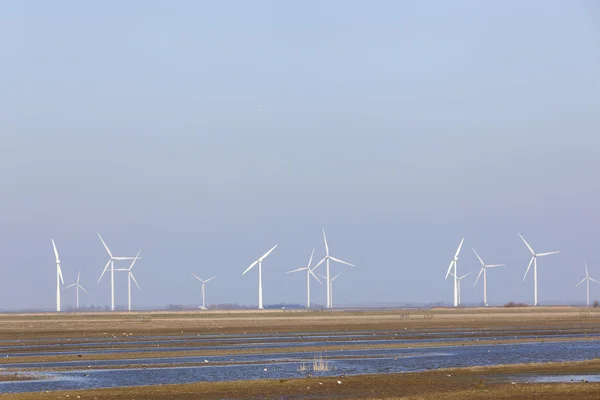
[59, 277]
[330, 284]
[129, 278]
[453, 263]
[259, 262]
[309, 272]
[327, 275]
[587, 280]
[77, 287]
[483, 270]
[533, 260]
[203, 292]
[111, 262]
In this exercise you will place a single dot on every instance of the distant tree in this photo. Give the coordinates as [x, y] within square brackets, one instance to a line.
[514, 304]
[596, 304]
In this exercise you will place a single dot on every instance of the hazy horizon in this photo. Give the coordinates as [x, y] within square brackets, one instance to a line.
[204, 133]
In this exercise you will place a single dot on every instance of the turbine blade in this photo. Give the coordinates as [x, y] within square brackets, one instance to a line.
[250, 267]
[136, 284]
[78, 275]
[268, 252]
[449, 269]
[70, 286]
[134, 260]
[479, 258]
[580, 282]
[311, 257]
[495, 265]
[332, 279]
[586, 270]
[297, 270]
[547, 254]
[210, 279]
[529, 266]
[55, 251]
[60, 274]
[314, 276]
[459, 247]
[465, 275]
[527, 244]
[125, 258]
[593, 280]
[326, 245]
[340, 261]
[320, 262]
[103, 271]
[82, 288]
[479, 275]
[105, 246]
[196, 277]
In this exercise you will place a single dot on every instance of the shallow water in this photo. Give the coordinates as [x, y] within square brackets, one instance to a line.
[287, 365]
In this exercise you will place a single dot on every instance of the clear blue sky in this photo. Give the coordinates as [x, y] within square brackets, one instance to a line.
[206, 132]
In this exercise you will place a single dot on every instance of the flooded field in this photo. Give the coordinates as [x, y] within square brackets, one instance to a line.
[124, 359]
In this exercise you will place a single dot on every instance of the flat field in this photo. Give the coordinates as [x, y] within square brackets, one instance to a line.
[510, 325]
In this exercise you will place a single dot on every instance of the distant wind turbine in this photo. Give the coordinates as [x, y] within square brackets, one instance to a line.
[259, 262]
[483, 270]
[111, 262]
[203, 292]
[587, 280]
[309, 272]
[459, 279]
[77, 287]
[331, 288]
[326, 259]
[129, 278]
[533, 260]
[59, 277]
[453, 263]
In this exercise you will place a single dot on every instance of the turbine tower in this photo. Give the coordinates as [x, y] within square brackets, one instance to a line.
[309, 272]
[533, 260]
[77, 287]
[460, 278]
[326, 259]
[203, 292]
[111, 262]
[587, 280]
[331, 288]
[129, 278]
[59, 277]
[453, 263]
[259, 262]
[483, 271]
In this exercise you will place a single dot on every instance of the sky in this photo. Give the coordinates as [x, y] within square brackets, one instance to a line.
[204, 133]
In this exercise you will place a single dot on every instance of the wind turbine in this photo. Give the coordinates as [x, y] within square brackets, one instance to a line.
[309, 272]
[453, 264]
[129, 278]
[77, 287]
[533, 260]
[259, 262]
[111, 262]
[330, 284]
[587, 280]
[326, 259]
[483, 270]
[59, 277]
[203, 292]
